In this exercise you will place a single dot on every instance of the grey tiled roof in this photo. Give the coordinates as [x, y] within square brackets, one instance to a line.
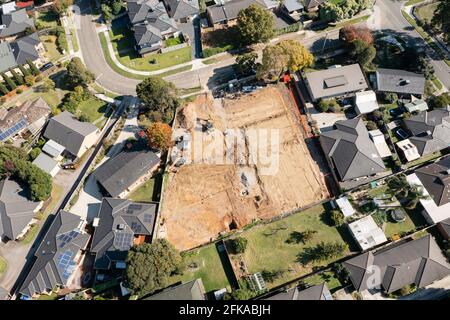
[293, 5]
[445, 225]
[55, 257]
[400, 81]
[120, 172]
[7, 59]
[230, 10]
[118, 217]
[436, 179]
[180, 9]
[15, 22]
[430, 130]
[309, 4]
[25, 48]
[418, 262]
[317, 292]
[16, 208]
[68, 131]
[351, 150]
[192, 290]
[139, 9]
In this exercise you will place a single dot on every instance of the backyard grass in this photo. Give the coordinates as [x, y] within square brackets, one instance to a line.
[51, 49]
[398, 228]
[149, 191]
[47, 19]
[52, 97]
[57, 192]
[267, 248]
[31, 234]
[173, 41]
[121, 39]
[93, 109]
[424, 159]
[3, 265]
[205, 263]
[51, 296]
[329, 277]
[352, 21]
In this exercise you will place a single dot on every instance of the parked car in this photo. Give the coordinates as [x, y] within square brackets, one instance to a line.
[401, 133]
[47, 66]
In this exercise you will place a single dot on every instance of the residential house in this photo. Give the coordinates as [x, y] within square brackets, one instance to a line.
[226, 13]
[444, 228]
[367, 233]
[14, 24]
[27, 5]
[18, 52]
[182, 10]
[417, 105]
[58, 256]
[53, 149]
[430, 130]
[350, 151]
[8, 7]
[408, 150]
[119, 225]
[192, 290]
[151, 25]
[406, 84]
[17, 210]
[380, 143]
[317, 292]
[313, 5]
[343, 81]
[292, 9]
[123, 173]
[435, 182]
[47, 164]
[76, 136]
[418, 262]
[365, 102]
[29, 117]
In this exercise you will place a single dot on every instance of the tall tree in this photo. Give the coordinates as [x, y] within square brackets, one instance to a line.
[398, 185]
[441, 18]
[8, 81]
[255, 24]
[33, 67]
[150, 265]
[246, 62]
[159, 97]
[286, 55]
[159, 136]
[350, 33]
[362, 52]
[77, 74]
[17, 77]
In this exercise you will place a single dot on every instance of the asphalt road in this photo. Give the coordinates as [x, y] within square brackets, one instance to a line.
[393, 20]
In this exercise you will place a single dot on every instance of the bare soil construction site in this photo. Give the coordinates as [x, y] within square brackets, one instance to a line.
[203, 199]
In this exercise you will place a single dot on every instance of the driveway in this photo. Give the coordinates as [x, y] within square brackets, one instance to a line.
[90, 197]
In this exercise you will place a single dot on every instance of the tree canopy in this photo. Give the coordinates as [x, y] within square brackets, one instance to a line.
[246, 62]
[15, 163]
[332, 12]
[362, 52]
[285, 55]
[159, 135]
[77, 74]
[350, 33]
[150, 265]
[159, 97]
[441, 18]
[255, 24]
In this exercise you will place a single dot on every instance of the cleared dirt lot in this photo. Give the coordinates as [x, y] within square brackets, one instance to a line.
[203, 200]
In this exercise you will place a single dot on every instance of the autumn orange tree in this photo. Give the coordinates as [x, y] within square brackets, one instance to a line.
[159, 135]
[351, 33]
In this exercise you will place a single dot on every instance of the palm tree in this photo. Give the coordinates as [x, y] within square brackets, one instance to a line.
[398, 185]
[415, 194]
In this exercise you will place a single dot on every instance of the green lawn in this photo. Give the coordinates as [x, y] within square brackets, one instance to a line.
[173, 41]
[147, 192]
[329, 277]
[122, 42]
[205, 263]
[411, 2]
[425, 13]
[57, 192]
[51, 296]
[31, 234]
[424, 159]
[51, 49]
[397, 228]
[267, 248]
[3, 265]
[53, 98]
[48, 19]
[93, 108]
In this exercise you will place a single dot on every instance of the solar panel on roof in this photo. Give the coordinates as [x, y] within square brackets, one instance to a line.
[12, 130]
[123, 241]
[67, 237]
[66, 264]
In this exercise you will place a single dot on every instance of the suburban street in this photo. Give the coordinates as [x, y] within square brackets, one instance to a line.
[393, 21]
